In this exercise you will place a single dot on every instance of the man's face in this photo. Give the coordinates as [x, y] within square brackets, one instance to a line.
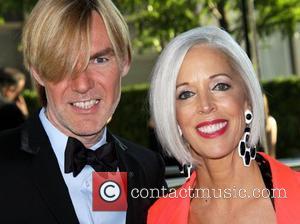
[81, 105]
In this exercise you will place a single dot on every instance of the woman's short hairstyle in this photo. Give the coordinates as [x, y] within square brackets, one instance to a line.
[163, 86]
[57, 35]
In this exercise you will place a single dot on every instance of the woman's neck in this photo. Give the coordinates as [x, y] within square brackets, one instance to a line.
[227, 172]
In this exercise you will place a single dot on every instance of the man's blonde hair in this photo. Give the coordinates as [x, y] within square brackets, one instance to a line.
[57, 32]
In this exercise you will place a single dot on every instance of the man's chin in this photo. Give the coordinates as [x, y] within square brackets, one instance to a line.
[86, 133]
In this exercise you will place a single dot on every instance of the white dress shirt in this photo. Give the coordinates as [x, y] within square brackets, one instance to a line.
[80, 187]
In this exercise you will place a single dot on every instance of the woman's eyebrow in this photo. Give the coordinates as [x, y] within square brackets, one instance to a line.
[220, 74]
[182, 84]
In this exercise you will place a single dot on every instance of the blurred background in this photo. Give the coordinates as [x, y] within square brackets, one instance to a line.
[268, 30]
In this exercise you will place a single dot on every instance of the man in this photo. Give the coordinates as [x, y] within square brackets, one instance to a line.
[77, 51]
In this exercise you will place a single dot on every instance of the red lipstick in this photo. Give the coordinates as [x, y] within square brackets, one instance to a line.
[212, 129]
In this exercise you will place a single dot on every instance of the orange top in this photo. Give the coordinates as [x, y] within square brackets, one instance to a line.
[176, 210]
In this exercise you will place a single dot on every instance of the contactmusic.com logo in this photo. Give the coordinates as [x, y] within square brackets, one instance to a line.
[109, 191]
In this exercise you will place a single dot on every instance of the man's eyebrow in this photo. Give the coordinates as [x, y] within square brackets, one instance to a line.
[106, 51]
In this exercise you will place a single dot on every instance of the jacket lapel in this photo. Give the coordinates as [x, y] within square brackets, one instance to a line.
[45, 172]
[128, 163]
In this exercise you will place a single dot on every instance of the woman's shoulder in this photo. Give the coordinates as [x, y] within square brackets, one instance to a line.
[283, 177]
[286, 193]
[278, 168]
[173, 207]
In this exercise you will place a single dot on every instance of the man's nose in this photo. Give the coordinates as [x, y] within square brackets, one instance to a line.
[82, 82]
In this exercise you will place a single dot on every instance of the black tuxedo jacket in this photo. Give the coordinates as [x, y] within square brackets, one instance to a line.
[32, 188]
[10, 115]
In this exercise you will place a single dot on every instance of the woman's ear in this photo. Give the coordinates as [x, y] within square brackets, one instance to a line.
[36, 76]
[247, 104]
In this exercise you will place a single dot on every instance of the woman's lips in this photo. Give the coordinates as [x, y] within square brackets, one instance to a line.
[212, 129]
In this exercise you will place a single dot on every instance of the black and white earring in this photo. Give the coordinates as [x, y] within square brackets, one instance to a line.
[246, 152]
[187, 170]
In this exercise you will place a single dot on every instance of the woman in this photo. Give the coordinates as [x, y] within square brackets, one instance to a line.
[271, 130]
[13, 108]
[207, 106]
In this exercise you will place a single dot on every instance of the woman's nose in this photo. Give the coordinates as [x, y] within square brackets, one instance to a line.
[205, 104]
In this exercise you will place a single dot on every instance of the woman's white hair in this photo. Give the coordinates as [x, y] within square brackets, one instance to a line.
[163, 86]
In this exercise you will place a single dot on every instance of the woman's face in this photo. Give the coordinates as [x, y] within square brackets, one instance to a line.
[210, 103]
[12, 92]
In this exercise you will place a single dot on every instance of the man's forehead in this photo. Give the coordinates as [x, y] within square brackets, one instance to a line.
[100, 40]
[97, 23]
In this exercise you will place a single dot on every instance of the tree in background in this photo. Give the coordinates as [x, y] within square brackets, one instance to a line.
[15, 10]
[270, 15]
[153, 23]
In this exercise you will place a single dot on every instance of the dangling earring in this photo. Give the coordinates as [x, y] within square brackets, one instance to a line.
[186, 170]
[246, 152]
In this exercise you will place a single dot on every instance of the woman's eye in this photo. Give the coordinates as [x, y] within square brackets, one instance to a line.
[185, 95]
[221, 87]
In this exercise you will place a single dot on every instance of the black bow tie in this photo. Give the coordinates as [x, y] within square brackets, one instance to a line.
[103, 159]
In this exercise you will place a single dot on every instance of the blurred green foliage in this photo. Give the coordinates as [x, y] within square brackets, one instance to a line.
[153, 23]
[15, 10]
[132, 115]
[32, 100]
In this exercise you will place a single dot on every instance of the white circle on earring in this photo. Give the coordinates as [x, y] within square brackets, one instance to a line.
[248, 116]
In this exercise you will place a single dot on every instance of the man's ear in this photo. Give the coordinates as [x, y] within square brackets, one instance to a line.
[126, 66]
[36, 76]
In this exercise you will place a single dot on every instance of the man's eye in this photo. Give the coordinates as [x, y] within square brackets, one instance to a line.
[100, 60]
[185, 95]
[221, 87]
